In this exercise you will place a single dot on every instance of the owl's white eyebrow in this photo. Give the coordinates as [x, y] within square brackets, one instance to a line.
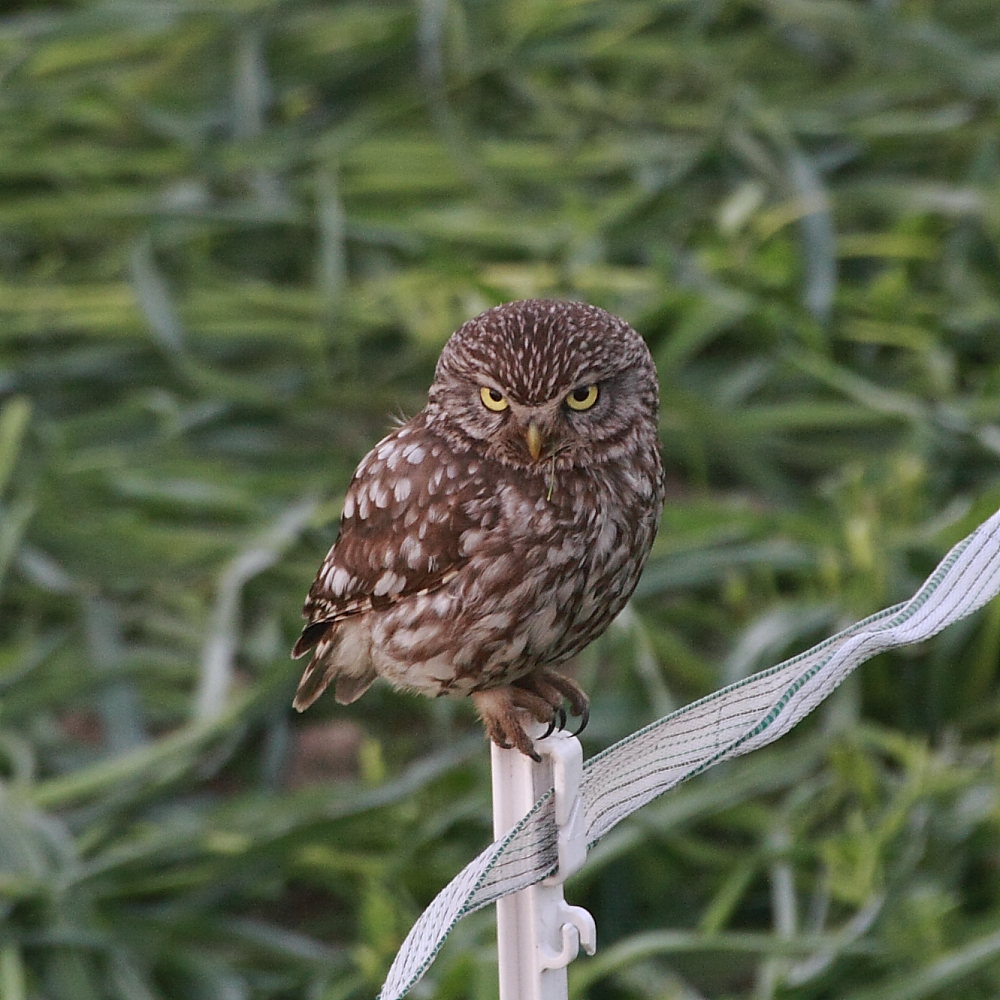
[484, 381]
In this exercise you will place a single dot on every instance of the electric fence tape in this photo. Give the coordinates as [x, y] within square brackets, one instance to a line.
[733, 721]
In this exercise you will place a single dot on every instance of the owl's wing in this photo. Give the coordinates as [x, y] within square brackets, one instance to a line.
[400, 535]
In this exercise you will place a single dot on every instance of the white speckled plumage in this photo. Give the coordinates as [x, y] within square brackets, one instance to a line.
[463, 565]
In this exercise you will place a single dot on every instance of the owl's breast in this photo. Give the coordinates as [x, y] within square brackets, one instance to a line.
[544, 572]
[560, 562]
[624, 513]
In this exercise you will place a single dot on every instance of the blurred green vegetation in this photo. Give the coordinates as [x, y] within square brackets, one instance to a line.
[233, 237]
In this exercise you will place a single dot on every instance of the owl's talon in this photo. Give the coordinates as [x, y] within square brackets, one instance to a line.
[584, 719]
[558, 721]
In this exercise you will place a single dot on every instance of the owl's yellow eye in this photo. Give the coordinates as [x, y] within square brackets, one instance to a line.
[582, 398]
[493, 399]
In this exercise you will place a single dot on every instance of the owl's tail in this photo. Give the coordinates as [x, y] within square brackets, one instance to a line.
[338, 657]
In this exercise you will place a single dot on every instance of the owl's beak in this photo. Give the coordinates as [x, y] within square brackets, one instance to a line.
[535, 439]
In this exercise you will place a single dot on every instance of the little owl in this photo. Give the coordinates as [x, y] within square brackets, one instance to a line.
[498, 532]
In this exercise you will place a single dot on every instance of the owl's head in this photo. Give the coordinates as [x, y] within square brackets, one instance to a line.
[540, 380]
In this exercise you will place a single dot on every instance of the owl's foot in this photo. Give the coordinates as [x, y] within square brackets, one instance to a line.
[554, 689]
[501, 711]
[541, 695]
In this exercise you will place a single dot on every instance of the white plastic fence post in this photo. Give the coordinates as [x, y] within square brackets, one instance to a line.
[538, 934]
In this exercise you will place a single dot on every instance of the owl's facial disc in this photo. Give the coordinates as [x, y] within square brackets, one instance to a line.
[532, 425]
[533, 431]
[541, 430]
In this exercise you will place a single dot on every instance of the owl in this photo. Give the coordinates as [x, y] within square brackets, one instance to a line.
[490, 538]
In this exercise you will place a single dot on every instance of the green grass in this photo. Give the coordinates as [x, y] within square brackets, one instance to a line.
[233, 237]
